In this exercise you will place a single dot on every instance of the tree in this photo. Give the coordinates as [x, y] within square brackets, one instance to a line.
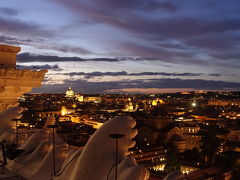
[192, 155]
[209, 147]
[172, 159]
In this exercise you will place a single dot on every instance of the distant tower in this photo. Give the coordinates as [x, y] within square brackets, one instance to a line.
[70, 93]
[15, 82]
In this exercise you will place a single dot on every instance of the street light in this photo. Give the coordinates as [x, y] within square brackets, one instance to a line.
[194, 104]
[116, 136]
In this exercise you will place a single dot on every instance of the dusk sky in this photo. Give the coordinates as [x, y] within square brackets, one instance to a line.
[101, 46]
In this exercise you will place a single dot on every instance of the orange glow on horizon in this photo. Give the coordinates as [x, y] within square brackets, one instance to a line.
[151, 90]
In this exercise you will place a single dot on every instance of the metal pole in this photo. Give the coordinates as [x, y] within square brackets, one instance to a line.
[116, 136]
[17, 133]
[54, 165]
[116, 166]
[53, 146]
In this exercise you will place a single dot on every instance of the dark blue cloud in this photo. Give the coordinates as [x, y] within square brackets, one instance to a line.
[27, 57]
[8, 11]
[199, 26]
[40, 67]
[124, 73]
[85, 86]
[19, 27]
[14, 41]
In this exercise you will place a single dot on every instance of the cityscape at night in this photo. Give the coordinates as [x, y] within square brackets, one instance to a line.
[119, 90]
[194, 132]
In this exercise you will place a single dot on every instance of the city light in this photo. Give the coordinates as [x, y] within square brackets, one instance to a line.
[194, 104]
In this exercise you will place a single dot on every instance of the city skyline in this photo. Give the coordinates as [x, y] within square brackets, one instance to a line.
[126, 46]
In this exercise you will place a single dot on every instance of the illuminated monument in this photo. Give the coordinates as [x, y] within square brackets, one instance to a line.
[14, 82]
[70, 93]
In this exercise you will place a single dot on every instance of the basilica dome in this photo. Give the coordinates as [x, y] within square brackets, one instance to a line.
[70, 92]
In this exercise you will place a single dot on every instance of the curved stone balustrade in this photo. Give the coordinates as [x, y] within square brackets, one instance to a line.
[14, 83]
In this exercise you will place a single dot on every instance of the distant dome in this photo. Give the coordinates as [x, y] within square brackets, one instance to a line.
[70, 92]
[159, 112]
[159, 118]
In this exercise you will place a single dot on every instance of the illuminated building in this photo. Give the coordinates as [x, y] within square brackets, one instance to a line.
[188, 169]
[70, 93]
[129, 106]
[74, 105]
[157, 101]
[65, 111]
[94, 99]
[184, 138]
[223, 103]
[79, 98]
[185, 93]
[175, 136]
[92, 123]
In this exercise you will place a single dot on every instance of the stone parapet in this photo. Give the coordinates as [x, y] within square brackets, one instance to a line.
[22, 74]
[14, 83]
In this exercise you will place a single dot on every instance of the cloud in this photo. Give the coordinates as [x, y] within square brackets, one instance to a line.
[202, 31]
[15, 26]
[67, 49]
[42, 44]
[168, 26]
[40, 67]
[136, 4]
[14, 41]
[160, 53]
[124, 73]
[84, 86]
[27, 57]
[8, 11]
[156, 5]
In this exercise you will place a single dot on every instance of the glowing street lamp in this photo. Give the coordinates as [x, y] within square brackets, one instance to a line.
[194, 104]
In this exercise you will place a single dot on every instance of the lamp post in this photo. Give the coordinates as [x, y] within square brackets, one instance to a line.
[53, 144]
[116, 136]
[16, 126]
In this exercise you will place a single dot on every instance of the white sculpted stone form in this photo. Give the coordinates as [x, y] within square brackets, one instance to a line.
[7, 115]
[175, 175]
[34, 140]
[97, 159]
[6, 125]
[95, 162]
